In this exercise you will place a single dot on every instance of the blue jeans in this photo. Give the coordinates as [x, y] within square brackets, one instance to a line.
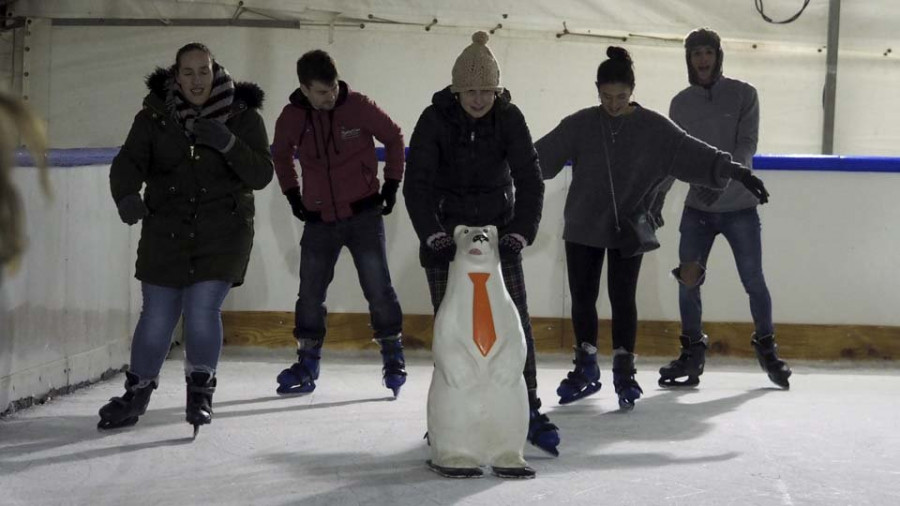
[201, 304]
[320, 246]
[742, 231]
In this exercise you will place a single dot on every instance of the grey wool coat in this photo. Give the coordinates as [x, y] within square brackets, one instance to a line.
[645, 151]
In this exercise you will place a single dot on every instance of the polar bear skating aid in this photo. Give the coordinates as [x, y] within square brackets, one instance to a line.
[478, 401]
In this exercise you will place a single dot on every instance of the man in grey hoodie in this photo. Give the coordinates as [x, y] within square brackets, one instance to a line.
[723, 112]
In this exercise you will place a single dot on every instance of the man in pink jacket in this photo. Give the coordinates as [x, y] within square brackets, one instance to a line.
[331, 130]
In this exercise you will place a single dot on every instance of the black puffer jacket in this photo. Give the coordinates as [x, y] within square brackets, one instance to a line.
[472, 172]
[200, 226]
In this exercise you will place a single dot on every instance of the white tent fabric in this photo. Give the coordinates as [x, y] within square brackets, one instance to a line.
[866, 25]
[786, 62]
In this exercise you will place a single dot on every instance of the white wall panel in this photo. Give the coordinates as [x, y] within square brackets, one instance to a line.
[67, 313]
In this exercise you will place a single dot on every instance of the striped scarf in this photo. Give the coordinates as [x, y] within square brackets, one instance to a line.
[217, 106]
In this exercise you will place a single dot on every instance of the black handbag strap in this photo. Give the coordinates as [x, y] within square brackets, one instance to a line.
[612, 188]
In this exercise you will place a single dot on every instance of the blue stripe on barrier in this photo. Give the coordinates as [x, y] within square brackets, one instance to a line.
[74, 157]
[823, 163]
[827, 163]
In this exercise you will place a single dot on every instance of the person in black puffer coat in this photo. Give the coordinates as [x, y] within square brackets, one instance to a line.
[472, 162]
[198, 149]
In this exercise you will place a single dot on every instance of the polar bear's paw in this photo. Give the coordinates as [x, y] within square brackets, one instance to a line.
[512, 466]
[509, 459]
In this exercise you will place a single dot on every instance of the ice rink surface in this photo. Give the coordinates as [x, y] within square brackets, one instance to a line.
[833, 439]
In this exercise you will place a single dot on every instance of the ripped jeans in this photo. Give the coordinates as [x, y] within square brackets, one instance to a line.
[742, 231]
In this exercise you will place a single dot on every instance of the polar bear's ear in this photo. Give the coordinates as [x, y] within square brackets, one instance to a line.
[459, 232]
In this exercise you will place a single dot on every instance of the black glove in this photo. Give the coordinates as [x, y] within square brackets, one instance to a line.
[708, 196]
[389, 194]
[296, 202]
[214, 134]
[131, 208]
[752, 183]
[442, 247]
[510, 246]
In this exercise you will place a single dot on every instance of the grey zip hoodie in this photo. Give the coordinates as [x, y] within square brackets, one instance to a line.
[648, 151]
[725, 115]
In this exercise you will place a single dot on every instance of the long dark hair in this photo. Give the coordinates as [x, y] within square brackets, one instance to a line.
[618, 68]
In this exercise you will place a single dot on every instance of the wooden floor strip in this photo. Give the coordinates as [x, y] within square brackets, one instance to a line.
[351, 331]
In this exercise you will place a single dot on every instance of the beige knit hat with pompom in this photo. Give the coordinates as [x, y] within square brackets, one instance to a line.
[476, 68]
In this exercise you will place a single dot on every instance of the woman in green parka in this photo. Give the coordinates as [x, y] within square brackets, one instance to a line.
[198, 149]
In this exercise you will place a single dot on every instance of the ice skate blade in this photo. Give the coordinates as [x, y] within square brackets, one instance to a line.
[779, 375]
[551, 450]
[690, 382]
[295, 391]
[394, 383]
[395, 389]
[198, 419]
[781, 382]
[514, 473]
[589, 390]
[104, 425]
[626, 405]
[628, 395]
[455, 472]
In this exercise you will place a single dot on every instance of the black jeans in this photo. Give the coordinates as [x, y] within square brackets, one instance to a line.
[320, 248]
[585, 263]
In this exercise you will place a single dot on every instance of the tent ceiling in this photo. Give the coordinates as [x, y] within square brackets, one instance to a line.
[870, 23]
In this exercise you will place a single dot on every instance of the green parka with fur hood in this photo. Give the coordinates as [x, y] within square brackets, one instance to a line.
[200, 201]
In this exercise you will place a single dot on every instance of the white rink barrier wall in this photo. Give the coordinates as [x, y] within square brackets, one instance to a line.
[829, 253]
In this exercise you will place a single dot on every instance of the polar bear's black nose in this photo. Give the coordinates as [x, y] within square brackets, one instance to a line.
[480, 238]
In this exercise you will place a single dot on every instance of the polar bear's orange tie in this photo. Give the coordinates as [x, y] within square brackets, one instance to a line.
[482, 318]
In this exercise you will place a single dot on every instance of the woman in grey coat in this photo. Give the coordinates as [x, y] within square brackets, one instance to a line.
[623, 157]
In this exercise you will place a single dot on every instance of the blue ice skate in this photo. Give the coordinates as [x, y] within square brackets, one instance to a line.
[300, 378]
[394, 370]
[584, 380]
[542, 433]
[627, 387]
